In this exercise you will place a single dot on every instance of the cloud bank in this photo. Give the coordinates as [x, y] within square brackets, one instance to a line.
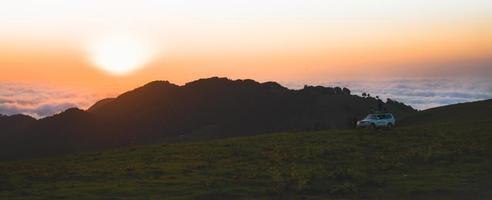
[424, 93]
[41, 101]
[421, 93]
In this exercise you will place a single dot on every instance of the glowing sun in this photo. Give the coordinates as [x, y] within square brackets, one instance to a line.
[119, 54]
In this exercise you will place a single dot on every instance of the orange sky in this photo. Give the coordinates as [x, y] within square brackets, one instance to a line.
[273, 40]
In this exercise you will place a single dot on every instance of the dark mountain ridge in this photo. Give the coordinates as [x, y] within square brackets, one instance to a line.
[207, 108]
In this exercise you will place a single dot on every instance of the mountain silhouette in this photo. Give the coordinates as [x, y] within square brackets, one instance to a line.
[203, 109]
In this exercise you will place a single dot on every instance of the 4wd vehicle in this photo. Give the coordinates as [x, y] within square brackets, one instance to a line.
[385, 120]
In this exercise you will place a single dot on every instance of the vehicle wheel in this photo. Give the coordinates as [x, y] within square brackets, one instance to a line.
[389, 126]
[373, 126]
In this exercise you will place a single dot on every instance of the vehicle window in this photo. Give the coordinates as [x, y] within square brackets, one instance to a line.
[381, 117]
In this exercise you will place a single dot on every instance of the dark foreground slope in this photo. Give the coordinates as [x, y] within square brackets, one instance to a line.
[463, 113]
[204, 109]
[429, 161]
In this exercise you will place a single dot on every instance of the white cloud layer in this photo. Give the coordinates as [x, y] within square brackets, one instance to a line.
[41, 101]
[421, 93]
[424, 93]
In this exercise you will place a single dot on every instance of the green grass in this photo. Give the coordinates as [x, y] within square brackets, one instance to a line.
[438, 161]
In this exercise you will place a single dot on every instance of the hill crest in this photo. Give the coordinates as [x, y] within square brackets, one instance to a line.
[203, 109]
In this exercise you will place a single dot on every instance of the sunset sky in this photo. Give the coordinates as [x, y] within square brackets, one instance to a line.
[86, 44]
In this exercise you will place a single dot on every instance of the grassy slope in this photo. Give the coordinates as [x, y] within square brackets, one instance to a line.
[464, 113]
[438, 160]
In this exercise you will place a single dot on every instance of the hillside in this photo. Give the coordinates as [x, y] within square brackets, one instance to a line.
[464, 113]
[445, 160]
[204, 109]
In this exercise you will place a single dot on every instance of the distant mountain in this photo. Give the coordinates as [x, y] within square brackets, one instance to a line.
[207, 108]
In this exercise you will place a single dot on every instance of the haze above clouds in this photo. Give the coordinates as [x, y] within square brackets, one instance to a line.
[290, 41]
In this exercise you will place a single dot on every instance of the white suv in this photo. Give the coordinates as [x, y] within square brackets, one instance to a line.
[385, 120]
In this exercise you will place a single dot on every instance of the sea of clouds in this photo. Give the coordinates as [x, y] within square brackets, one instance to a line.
[42, 101]
[421, 93]
[424, 93]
